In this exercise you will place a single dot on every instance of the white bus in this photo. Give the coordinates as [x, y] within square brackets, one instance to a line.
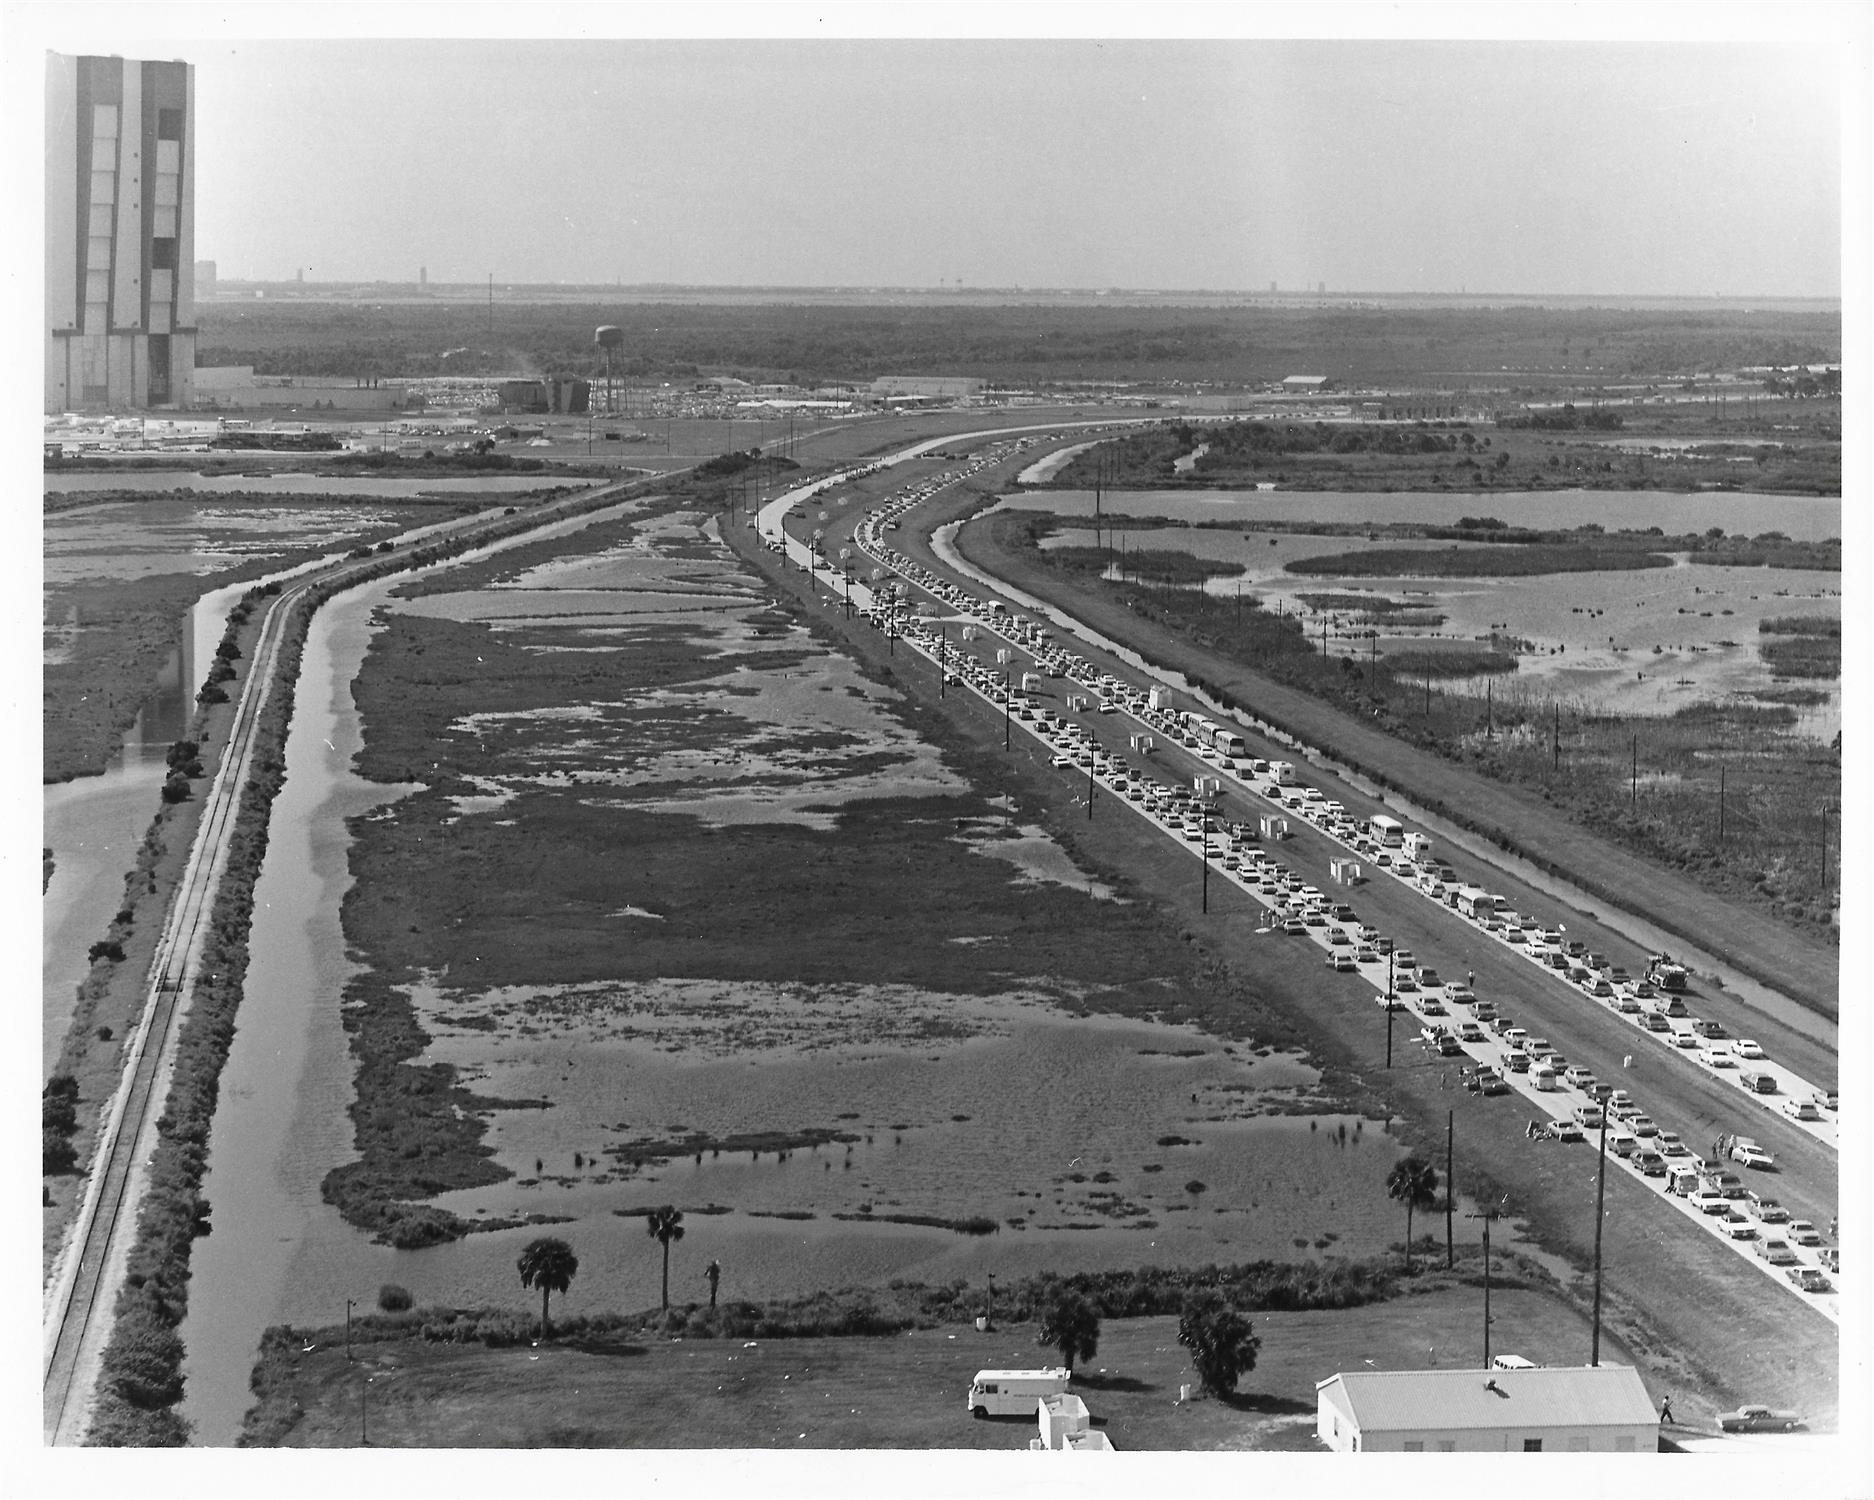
[1230, 743]
[1474, 901]
[1388, 833]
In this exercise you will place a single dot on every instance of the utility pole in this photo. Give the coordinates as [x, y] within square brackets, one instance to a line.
[349, 1305]
[1600, 1218]
[1205, 853]
[943, 657]
[1721, 805]
[1633, 793]
[1089, 789]
[1558, 735]
[1486, 1215]
[1389, 1005]
[1005, 708]
[1451, 1254]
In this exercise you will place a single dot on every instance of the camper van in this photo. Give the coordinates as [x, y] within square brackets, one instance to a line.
[1014, 1393]
[1283, 771]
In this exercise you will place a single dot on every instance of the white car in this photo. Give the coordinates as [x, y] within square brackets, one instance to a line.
[1745, 1047]
[1801, 1109]
[1717, 1057]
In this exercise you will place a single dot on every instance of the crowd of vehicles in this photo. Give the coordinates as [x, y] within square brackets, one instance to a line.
[981, 643]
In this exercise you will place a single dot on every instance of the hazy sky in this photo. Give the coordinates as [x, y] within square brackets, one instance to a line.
[1640, 168]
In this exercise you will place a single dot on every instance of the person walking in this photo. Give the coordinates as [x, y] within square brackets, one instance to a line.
[1665, 1413]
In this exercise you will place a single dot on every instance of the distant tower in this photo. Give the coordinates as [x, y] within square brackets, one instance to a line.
[608, 337]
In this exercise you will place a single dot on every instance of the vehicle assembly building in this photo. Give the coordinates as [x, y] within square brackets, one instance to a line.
[120, 233]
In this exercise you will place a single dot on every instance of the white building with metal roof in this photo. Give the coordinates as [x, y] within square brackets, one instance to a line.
[1598, 1409]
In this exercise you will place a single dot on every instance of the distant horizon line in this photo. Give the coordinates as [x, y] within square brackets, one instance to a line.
[481, 288]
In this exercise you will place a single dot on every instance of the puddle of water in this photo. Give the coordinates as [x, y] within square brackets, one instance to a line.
[1038, 857]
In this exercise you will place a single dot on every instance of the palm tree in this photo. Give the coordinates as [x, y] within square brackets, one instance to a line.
[1415, 1183]
[550, 1265]
[664, 1225]
[1071, 1324]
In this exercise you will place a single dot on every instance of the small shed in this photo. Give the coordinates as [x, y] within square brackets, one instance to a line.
[1566, 1409]
[1272, 826]
[1345, 871]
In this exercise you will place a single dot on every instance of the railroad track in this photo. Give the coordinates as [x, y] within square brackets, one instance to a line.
[75, 1332]
[79, 1302]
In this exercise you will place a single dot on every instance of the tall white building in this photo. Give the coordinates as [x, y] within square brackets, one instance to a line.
[120, 233]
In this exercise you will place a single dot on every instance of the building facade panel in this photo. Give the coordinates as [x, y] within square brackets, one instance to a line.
[126, 262]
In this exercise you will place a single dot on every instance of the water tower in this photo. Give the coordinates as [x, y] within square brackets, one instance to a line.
[608, 337]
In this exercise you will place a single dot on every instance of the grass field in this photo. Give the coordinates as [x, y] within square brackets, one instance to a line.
[902, 1391]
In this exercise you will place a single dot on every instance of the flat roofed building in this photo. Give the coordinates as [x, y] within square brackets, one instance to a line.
[120, 233]
[1582, 1409]
[953, 387]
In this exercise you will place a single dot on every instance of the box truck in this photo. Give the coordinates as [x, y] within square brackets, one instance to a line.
[1014, 1393]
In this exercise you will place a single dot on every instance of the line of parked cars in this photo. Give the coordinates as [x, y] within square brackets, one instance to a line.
[1298, 909]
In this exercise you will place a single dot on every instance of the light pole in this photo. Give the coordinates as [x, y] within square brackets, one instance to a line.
[943, 657]
[1389, 1006]
[1005, 708]
[349, 1304]
[1600, 1218]
[1204, 853]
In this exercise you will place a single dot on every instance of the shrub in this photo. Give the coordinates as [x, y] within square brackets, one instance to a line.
[211, 694]
[106, 948]
[176, 788]
[393, 1298]
[55, 1153]
[147, 1370]
[1222, 1342]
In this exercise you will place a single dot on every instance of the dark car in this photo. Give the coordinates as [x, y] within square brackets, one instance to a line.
[1759, 1419]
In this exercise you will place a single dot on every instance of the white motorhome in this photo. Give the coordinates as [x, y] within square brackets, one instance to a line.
[1388, 833]
[1014, 1393]
[1283, 771]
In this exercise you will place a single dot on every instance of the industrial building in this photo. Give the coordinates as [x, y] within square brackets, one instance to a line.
[238, 388]
[1578, 1409]
[555, 393]
[120, 233]
[943, 387]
